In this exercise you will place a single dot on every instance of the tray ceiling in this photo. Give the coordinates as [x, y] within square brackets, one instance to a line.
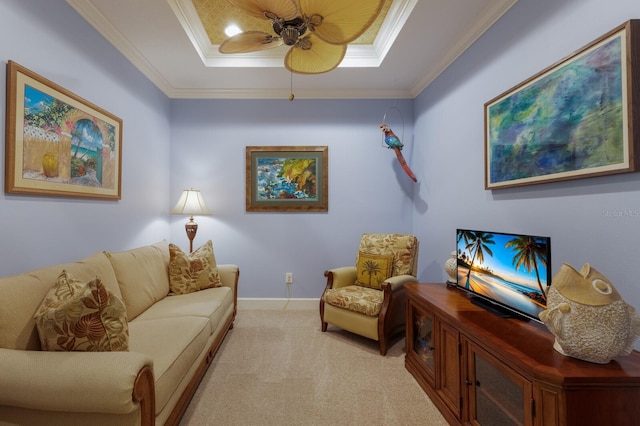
[174, 43]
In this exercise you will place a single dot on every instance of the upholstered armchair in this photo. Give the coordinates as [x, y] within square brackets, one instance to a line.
[369, 298]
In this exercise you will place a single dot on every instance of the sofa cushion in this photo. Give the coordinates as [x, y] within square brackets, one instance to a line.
[174, 344]
[81, 316]
[22, 294]
[192, 272]
[211, 303]
[143, 276]
[373, 269]
[355, 298]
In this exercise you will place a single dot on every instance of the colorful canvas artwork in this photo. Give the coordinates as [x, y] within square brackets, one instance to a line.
[569, 121]
[287, 178]
[63, 144]
[58, 143]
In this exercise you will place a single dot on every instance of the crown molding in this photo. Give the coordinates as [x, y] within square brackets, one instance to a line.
[483, 22]
[284, 94]
[97, 20]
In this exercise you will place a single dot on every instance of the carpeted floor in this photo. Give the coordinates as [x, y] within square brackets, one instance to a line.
[277, 368]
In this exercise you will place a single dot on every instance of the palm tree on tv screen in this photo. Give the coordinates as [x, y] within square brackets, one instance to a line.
[477, 246]
[527, 253]
[465, 235]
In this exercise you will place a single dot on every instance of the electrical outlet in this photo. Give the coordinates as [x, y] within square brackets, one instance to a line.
[288, 278]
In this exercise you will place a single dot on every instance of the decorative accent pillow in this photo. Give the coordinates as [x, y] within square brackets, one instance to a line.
[373, 269]
[86, 317]
[192, 272]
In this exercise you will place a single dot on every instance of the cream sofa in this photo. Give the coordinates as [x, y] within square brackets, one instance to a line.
[172, 340]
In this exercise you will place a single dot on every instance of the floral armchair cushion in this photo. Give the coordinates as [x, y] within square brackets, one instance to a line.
[355, 298]
[78, 316]
[403, 248]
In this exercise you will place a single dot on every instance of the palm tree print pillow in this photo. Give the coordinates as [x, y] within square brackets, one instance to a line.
[373, 269]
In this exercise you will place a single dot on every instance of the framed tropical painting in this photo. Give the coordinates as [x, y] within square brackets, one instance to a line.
[572, 120]
[287, 179]
[57, 143]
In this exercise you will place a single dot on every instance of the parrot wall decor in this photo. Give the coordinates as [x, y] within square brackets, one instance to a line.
[393, 142]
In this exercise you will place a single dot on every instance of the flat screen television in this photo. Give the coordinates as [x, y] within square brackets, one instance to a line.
[507, 274]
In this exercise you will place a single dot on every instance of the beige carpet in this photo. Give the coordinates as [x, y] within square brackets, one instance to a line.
[277, 368]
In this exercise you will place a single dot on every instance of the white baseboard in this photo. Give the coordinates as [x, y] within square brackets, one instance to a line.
[254, 303]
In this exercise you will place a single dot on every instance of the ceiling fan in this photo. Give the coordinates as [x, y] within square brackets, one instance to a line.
[318, 31]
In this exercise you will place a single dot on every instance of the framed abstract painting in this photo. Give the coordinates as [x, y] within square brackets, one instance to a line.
[57, 143]
[287, 178]
[572, 120]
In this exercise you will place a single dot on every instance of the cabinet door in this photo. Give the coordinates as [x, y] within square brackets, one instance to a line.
[421, 340]
[448, 382]
[497, 395]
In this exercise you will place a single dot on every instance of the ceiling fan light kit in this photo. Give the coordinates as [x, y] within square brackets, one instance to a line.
[318, 31]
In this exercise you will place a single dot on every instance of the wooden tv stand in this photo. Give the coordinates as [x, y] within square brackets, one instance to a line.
[478, 368]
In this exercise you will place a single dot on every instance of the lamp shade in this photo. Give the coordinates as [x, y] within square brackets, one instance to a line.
[190, 203]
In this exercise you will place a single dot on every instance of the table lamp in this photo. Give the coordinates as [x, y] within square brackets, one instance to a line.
[190, 203]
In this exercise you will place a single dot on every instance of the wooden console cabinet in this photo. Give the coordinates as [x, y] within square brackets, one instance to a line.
[481, 369]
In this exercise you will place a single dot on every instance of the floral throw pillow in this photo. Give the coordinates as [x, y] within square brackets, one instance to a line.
[192, 272]
[79, 316]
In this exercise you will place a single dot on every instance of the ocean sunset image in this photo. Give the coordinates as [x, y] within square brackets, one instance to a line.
[498, 289]
[510, 269]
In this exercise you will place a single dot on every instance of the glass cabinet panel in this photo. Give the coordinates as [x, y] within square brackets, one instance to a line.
[498, 396]
[423, 338]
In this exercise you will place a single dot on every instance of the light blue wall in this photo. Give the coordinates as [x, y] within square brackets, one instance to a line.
[171, 145]
[368, 192]
[51, 39]
[580, 215]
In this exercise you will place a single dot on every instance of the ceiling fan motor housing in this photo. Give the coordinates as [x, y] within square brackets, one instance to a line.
[291, 30]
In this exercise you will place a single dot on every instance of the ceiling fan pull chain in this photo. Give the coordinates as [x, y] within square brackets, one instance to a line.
[291, 95]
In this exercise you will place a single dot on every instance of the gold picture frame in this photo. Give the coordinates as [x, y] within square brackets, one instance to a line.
[57, 143]
[287, 178]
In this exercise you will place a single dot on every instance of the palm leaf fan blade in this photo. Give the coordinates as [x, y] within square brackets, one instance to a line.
[342, 21]
[320, 58]
[250, 41]
[285, 9]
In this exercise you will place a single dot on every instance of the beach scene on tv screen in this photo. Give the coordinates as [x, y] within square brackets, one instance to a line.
[510, 269]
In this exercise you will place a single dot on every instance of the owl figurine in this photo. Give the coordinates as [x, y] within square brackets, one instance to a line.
[588, 317]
